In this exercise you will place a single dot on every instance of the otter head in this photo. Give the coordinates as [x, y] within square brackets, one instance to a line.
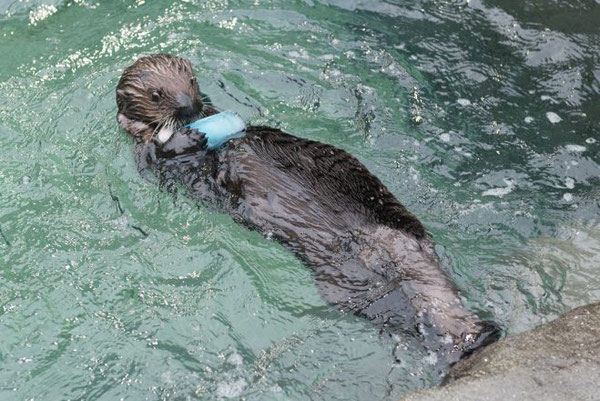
[157, 94]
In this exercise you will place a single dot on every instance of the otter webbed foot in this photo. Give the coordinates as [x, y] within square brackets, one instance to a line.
[183, 141]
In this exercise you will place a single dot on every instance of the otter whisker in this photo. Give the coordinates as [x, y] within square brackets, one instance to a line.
[161, 123]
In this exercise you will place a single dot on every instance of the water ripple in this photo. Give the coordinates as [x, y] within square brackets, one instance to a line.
[480, 116]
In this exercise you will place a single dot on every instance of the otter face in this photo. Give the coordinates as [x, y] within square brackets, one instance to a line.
[158, 93]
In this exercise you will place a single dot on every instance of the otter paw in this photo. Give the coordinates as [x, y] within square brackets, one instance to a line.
[183, 141]
[197, 137]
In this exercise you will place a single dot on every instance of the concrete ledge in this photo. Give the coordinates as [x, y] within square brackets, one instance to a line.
[557, 361]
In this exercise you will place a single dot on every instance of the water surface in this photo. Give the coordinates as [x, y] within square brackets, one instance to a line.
[481, 116]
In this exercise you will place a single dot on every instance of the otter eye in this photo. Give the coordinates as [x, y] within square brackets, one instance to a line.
[193, 80]
[155, 96]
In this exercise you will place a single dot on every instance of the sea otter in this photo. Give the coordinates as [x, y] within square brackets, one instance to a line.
[368, 253]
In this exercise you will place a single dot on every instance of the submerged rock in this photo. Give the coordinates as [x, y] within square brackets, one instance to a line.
[557, 361]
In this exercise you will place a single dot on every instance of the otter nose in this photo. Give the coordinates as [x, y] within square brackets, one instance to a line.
[187, 107]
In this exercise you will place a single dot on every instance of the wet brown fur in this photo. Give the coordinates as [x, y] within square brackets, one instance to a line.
[368, 253]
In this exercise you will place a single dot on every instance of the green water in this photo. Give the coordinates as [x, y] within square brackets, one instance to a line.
[110, 288]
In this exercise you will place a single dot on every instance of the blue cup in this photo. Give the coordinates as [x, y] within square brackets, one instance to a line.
[220, 128]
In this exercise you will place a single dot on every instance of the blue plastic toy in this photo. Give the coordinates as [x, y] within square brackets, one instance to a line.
[219, 128]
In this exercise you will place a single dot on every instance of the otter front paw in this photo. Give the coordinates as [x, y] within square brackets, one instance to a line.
[196, 138]
[184, 141]
[145, 155]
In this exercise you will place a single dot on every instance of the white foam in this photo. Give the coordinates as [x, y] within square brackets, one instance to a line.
[327, 57]
[299, 54]
[447, 339]
[500, 192]
[41, 13]
[431, 358]
[575, 148]
[553, 117]
[235, 359]
[528, 119]
[570, 183]
[445, 137]
[464, 102]
[231, 390]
